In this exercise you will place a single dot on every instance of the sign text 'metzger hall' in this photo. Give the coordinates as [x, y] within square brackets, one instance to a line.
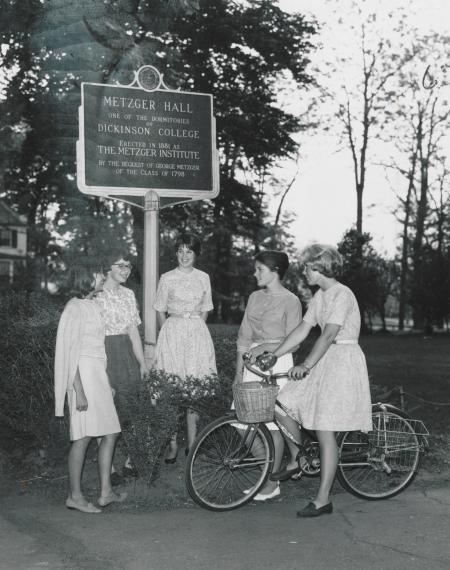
[168, 136]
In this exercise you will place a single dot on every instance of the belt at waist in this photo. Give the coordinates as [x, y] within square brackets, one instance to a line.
[343, 341]
[186, 315]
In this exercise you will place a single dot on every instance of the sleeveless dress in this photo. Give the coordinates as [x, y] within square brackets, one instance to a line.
[185, 346]
[335, 395]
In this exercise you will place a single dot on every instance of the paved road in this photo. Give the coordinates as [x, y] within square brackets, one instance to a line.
[407, 532]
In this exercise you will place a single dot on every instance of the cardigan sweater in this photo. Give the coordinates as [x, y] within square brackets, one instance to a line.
[67, 353]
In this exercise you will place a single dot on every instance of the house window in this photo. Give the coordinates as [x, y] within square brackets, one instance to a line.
[8, 238]
[4, 271]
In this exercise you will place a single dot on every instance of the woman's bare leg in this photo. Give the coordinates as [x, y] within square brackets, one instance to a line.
[328, 465]
[278, 442]
[105, 457]
[77, 455]
[191, 424]
[173, 447]
[293, 428]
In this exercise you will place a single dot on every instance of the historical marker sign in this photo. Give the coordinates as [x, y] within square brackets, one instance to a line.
[134, 140]
[142, 140]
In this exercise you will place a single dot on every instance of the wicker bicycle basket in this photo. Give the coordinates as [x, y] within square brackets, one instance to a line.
[254, 401]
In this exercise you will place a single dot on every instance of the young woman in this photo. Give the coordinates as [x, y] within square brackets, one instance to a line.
[125, 356]
[184, 346]
[332, 393]
[80, 372]
[272, 312]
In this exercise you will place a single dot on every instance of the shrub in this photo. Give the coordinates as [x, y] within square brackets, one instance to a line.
[157, 414]
[30, 321]
[26, 364]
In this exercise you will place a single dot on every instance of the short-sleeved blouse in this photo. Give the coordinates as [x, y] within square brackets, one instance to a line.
[337, 305]
[180, 292]
[268, 317]
[119, 310]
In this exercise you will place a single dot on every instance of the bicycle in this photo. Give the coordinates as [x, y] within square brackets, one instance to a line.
[231, 460]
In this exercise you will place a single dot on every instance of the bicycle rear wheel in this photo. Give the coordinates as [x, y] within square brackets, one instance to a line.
[227, 460]
[382, 463]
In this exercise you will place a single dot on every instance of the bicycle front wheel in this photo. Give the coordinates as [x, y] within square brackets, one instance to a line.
[228, 463]
[382, 463]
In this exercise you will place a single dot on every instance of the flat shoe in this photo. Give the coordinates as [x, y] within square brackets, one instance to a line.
[265, 497]
[312, 511]
[285, 474]
[89, 508]
[113, 498]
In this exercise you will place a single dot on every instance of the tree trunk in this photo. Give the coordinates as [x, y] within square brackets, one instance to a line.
[405, 243]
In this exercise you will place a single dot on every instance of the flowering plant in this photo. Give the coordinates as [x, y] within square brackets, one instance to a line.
[182, 390]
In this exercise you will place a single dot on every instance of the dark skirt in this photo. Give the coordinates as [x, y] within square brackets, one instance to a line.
[123, 372]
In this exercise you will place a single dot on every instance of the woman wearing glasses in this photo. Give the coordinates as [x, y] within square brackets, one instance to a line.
[184, 346]
[125, 356]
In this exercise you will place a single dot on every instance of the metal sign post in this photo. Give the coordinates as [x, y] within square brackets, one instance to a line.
[151, 147]
[151, 272]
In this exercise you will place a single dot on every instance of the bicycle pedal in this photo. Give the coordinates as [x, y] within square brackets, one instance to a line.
[297, 476]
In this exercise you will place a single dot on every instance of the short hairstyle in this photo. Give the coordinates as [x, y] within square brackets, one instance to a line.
[323, 258]
[191, 241]
[113, 256]
[80, 277]
[275, 260]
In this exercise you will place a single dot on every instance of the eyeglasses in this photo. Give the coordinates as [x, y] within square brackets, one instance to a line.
[121, 266]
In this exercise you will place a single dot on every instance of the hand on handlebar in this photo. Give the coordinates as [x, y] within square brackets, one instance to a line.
[266, 361]
[256, 351]
[298, 372]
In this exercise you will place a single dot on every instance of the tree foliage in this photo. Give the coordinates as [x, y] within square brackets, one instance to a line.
[239, 52]
[368, 274]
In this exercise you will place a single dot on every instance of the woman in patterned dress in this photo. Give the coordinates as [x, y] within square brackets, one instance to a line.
[334, 394]
[272, 312]
[125, 356]
[185, 346]
[80, 372]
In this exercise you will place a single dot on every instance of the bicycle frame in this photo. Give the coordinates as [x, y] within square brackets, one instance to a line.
[381, 430]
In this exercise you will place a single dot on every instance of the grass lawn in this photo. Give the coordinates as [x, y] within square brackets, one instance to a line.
[421, 365]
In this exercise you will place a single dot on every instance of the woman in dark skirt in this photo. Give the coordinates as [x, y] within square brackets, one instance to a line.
[125, 356]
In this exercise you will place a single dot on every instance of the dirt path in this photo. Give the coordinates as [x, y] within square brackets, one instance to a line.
[409, 531]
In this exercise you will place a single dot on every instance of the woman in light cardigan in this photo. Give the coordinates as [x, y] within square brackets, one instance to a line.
[80, 373]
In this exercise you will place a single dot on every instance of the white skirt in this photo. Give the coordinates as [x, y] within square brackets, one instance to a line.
[100, 418]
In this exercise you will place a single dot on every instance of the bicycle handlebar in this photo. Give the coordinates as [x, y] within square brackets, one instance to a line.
[266, 361]
[266, 377]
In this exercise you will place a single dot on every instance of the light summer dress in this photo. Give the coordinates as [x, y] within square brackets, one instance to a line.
[80, 345]
[335, 395]
[269, 318]
[185, 346]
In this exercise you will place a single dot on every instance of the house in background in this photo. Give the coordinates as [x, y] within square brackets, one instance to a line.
[13, 245]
